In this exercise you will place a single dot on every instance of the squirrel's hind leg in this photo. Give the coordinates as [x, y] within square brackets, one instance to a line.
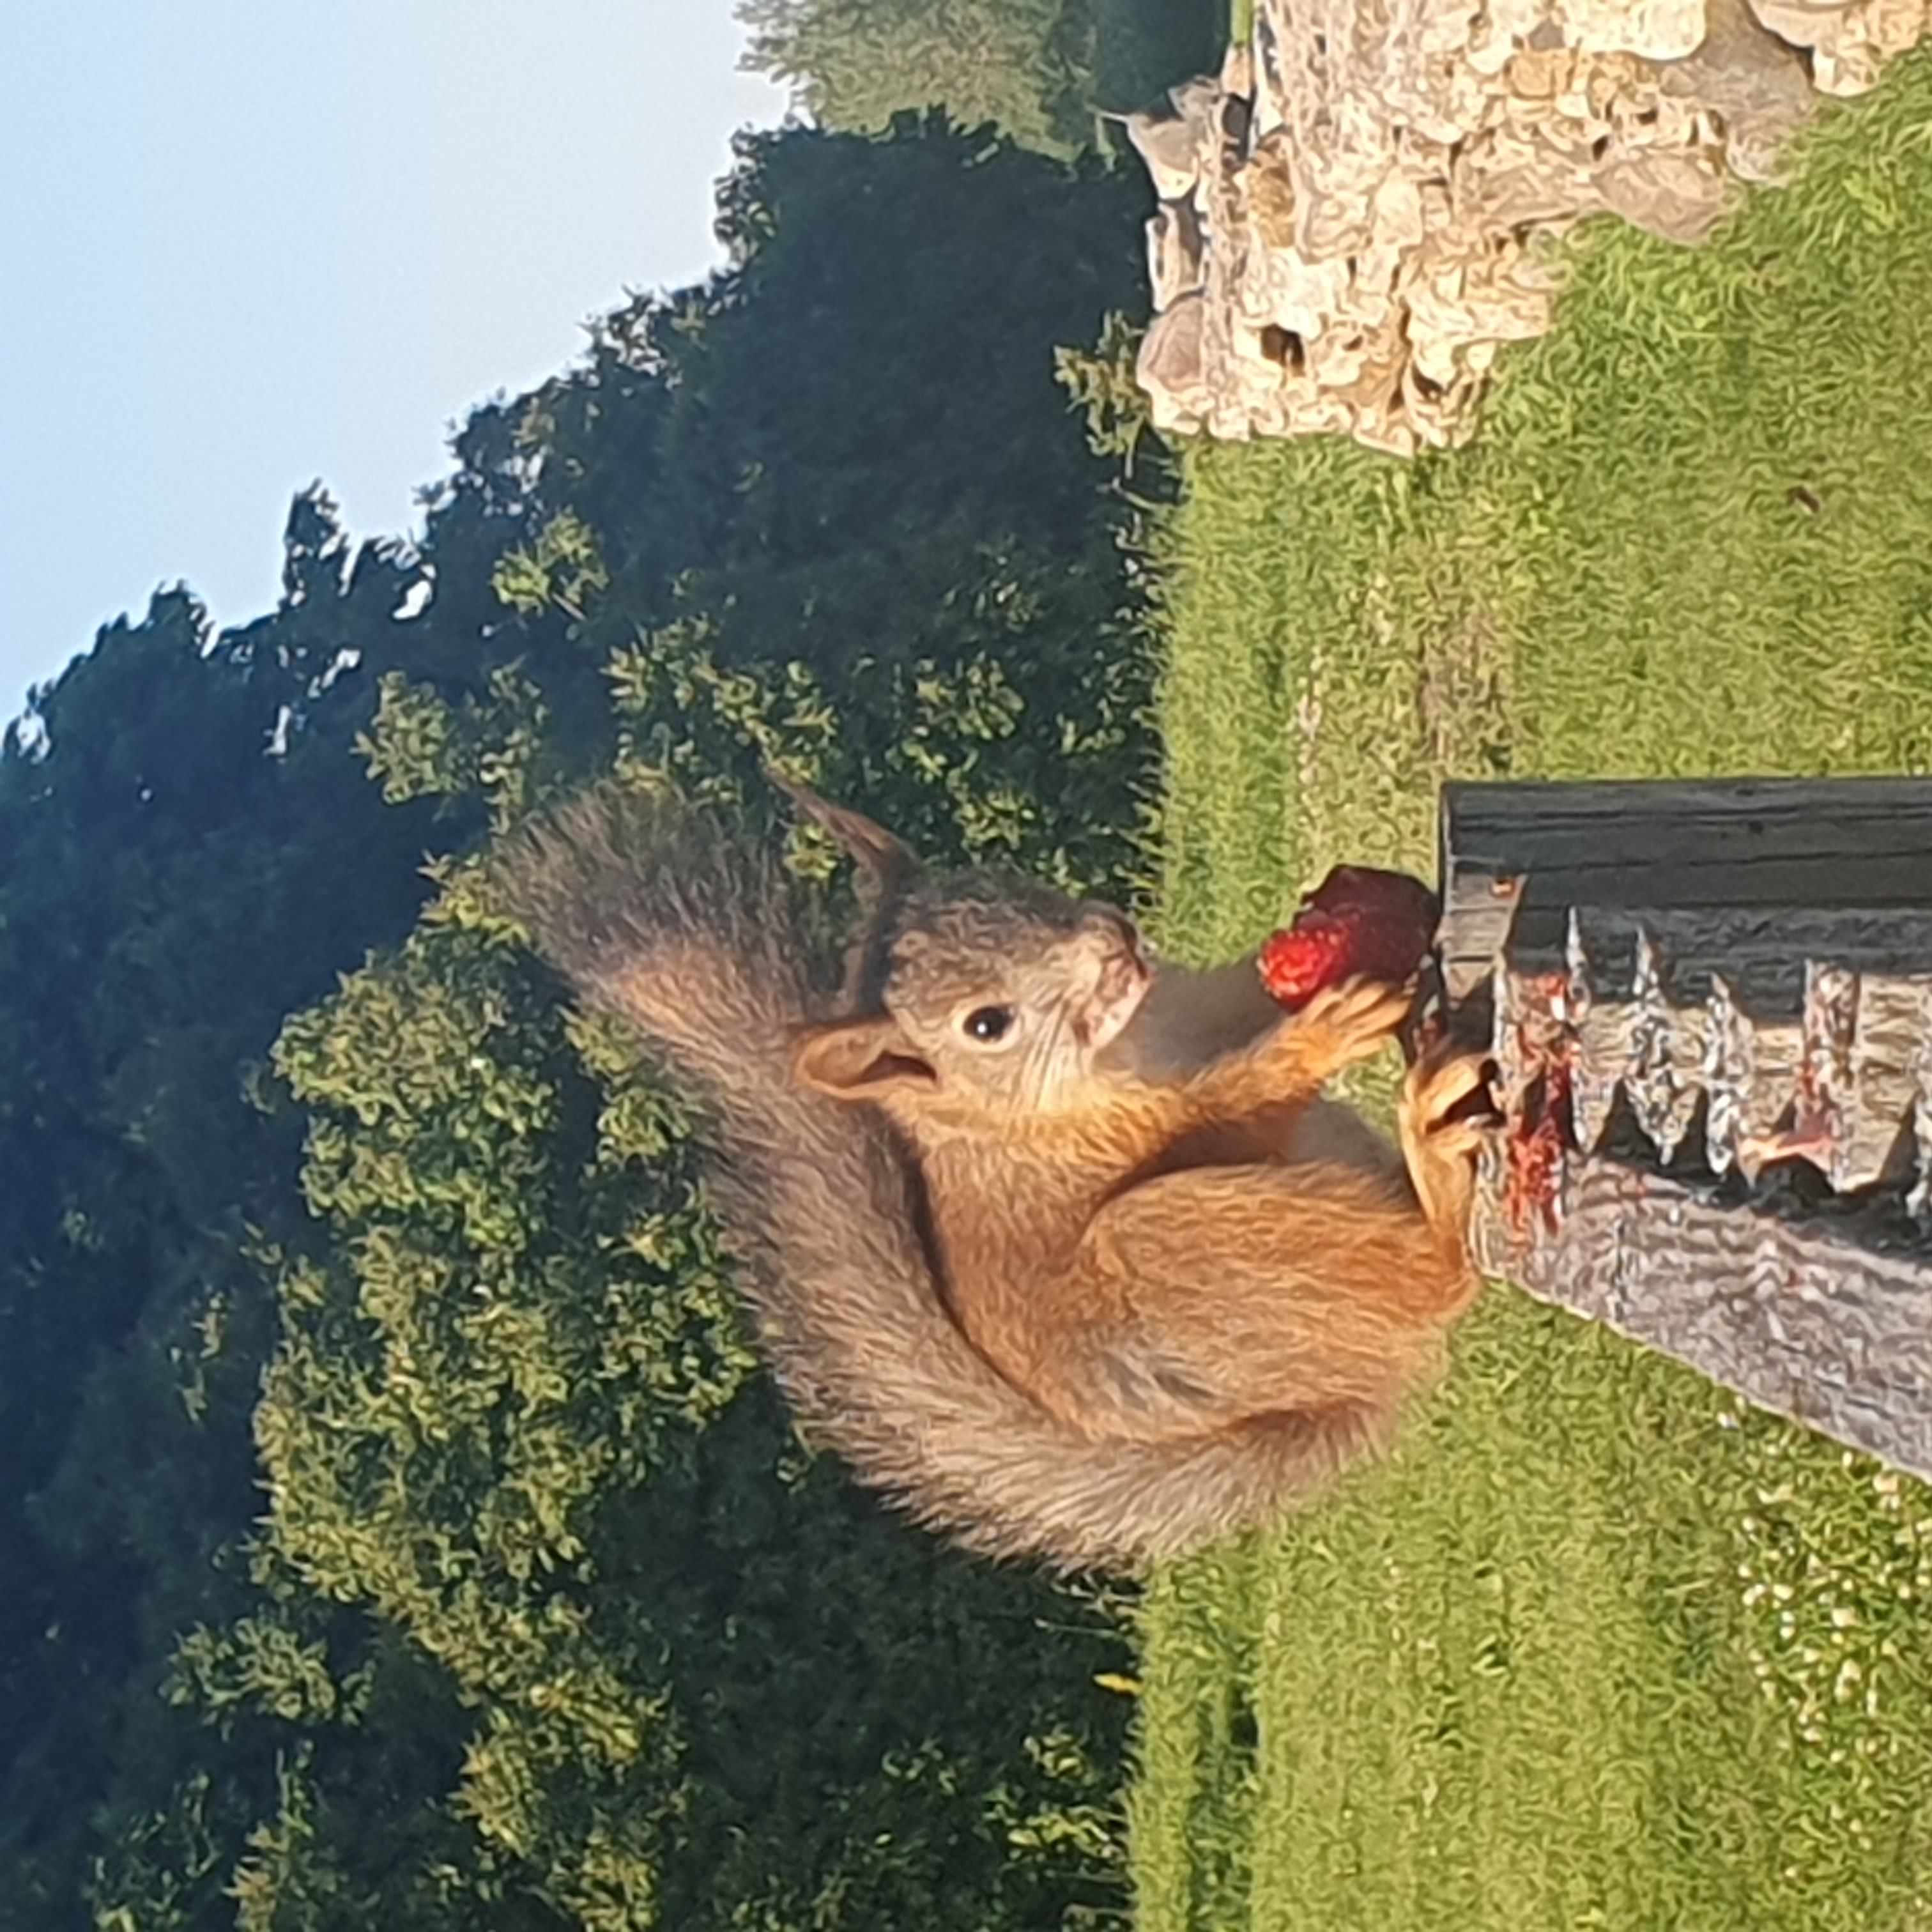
[1202, 1298]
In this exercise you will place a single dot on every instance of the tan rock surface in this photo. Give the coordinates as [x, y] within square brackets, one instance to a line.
[1351, 210]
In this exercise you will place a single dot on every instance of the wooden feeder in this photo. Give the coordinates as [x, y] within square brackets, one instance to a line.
[1712, 1006]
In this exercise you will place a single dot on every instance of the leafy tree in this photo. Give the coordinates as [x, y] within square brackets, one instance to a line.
[1014, 64]
[508, 1417]
[850, 452]
[551, 1622]
[187, 851]
[1038, 70]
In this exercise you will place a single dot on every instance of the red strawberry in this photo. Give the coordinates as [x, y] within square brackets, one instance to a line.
[1296, 962]
[1360, 922]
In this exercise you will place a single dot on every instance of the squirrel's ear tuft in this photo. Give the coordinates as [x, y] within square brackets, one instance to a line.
[888, 859]
[860, 1060]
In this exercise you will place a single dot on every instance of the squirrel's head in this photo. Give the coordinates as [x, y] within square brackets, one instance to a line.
[999, 994]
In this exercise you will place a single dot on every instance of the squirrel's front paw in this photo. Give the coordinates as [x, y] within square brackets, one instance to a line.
[1350, 1022]
[1439, 1102]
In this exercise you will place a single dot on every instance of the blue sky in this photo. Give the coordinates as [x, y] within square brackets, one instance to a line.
[249, 243]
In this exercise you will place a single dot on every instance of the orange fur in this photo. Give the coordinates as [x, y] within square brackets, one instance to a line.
[1152, 1260]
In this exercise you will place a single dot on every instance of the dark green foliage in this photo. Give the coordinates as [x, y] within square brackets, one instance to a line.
[1141, 47]
[1038, 70]
[168, 888]
[551, 1624]
[846, 468]
[962, 1771]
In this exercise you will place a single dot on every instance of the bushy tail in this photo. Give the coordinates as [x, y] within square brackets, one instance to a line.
[706, 945]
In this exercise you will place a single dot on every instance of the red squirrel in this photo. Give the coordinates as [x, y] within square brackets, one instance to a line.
[1059, 1246]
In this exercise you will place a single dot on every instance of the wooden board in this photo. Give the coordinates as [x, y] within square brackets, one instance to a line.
[1793, 1318]
[1853, 856]
[1731, 981]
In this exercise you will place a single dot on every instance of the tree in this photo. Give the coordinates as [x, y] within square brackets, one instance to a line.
[1039, 71]
[552, 1623]
[1014, 64]
[188, 850]
[850, 452]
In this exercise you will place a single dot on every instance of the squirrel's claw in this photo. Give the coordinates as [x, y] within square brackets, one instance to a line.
[1441, 1095]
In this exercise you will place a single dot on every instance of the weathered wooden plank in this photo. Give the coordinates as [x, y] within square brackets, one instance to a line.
[1602, 826]
[1793, 1318]
[1760, 866]
[1725, 980]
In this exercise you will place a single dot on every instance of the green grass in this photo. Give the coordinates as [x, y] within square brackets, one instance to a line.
[1596, 1649]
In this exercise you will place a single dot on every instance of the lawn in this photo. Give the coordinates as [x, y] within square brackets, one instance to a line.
[1598, 1647]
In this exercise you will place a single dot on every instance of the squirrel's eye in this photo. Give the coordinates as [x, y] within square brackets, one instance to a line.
[988, 1024]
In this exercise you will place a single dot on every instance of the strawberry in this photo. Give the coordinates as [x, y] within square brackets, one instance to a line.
[1360, 922]
[1296, 962]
